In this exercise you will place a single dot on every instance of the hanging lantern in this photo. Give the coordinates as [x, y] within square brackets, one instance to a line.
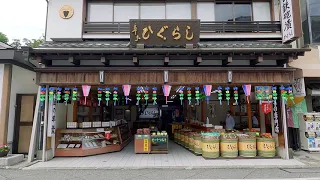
[51, 93]
[235, 94]
[197, 94]
[247, 91]
[85, 91]
[274, 94]
[220, 94]
[181, 95]
[138, 95]
[284, 93]
[227, 94]
[259, 94]
[126, 90]
[107, 92]
[290, 94]
[74, 94]
[166, 91]
[58, 96]
[266, 90]
[154, 95]
[207, 91]
[99, 94]
[66, 95]
[115, 95]
[189, 95]
[42, 95]
[146, 94]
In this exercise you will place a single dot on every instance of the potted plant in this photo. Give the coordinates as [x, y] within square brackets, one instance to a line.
[4, 150]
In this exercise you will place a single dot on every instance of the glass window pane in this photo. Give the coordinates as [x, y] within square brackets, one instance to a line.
[178, 10]
[261, 11]
[242, 12]
[125, 12]
[223, 12]
[100, 12]
[205, 11]
[152, 11]
[315, 27]
[314, 7]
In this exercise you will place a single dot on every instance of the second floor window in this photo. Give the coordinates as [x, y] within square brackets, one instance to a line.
[233, 12]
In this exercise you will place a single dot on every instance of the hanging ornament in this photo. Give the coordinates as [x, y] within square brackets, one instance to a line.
[189, 95]
[247, 91]
[197, 95]
[85, 91]
[58, 96]
[74, 94]
[259, 94]
[220, 94]
[181, 95]
[166, 91]
[42, 95]
[290, 94]
[274, 94]
[107, 91]
[207, 91]
[267, 91]
[51, 94]
[66, 95]
[138, 95]
[227, 94]
[284, 93]
[154, 95]
[115, 95]
[146, 94]
[99, 94]
[126, 90]
[235, 94]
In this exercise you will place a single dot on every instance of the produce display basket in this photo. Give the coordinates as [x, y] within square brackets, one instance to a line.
[210, 145]
[247, 146]
[229, 145]
[266, 147]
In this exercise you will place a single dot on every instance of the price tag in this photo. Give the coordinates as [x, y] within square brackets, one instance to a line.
[146, 145]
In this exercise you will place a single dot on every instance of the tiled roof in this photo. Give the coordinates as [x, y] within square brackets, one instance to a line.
[4, 46]
[202, 44]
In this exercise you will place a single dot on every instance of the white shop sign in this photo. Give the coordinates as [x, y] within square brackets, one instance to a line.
[276, 118]
[299, 88]
[287, 23]
[51, 118]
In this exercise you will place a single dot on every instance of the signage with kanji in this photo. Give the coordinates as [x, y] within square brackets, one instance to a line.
[164, 32]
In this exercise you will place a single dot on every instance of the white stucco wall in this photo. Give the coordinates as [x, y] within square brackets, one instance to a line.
[23, 82]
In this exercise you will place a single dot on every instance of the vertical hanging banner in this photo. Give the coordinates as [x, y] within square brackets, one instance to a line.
[207, 90]
[275, 109]
[290, 20]
[51, 118]
[85, 91]
[166, 91]
[247, 91]
[126, 90]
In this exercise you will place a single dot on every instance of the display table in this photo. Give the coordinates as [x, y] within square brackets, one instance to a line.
[86, 142]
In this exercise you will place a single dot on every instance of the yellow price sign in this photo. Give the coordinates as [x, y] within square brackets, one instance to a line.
[247, 146]
[210, 147]
[266, 146]
[145, 145]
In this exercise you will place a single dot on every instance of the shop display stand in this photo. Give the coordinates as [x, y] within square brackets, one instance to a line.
[93, 143]
[310, 131]
[159, 144]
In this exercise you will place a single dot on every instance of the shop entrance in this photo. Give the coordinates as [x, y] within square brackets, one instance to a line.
[23, 122]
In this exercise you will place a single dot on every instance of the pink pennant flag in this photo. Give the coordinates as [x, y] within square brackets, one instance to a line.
[85, 91]
[126, 90]
[247, 91]
[166, 91]
[207, 90]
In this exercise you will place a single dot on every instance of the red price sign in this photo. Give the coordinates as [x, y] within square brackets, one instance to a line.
[266, 107]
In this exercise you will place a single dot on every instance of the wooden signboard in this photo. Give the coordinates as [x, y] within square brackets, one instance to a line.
[164, 32]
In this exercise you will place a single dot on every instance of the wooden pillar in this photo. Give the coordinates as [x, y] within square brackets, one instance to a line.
[193, 9]
[249, 113]
[5, 103]
[203, 111]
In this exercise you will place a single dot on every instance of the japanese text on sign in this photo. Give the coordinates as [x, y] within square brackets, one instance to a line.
[164, 32]
[287, 20]
[159, 140]
[275, 118]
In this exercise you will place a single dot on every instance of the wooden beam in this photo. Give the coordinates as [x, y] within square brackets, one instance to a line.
[105, 61]
[198, 60]
[256, 61]
[135, 60]
[227, 61]
[166, 61]
[73, 61]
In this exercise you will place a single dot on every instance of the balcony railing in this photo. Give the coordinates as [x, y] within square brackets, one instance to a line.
[205, 27]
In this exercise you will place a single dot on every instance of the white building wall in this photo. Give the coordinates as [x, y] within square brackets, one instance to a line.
[23, 82]
[1, 82]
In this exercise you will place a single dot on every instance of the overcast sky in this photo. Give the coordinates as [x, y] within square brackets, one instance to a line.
[23, 18]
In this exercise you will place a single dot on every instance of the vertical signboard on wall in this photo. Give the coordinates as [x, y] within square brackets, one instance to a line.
[299, 88]
[290, 20]
[51, 118]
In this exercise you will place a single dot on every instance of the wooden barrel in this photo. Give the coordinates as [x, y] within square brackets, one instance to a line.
[182, 138]
[210, 147]
[175, 136]
[179, 137]
[229, 148]
[191, 142]
[186, 140]
[197, 144]
[266, 147]
[247, 147]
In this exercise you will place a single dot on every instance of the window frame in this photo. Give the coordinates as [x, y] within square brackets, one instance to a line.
[233, 8]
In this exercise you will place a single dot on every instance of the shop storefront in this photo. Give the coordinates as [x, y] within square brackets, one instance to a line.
[97, 97]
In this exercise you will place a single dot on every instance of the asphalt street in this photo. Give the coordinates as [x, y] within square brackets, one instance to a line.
[158, 174]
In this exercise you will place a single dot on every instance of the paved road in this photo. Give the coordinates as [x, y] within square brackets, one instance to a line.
[158, 174]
